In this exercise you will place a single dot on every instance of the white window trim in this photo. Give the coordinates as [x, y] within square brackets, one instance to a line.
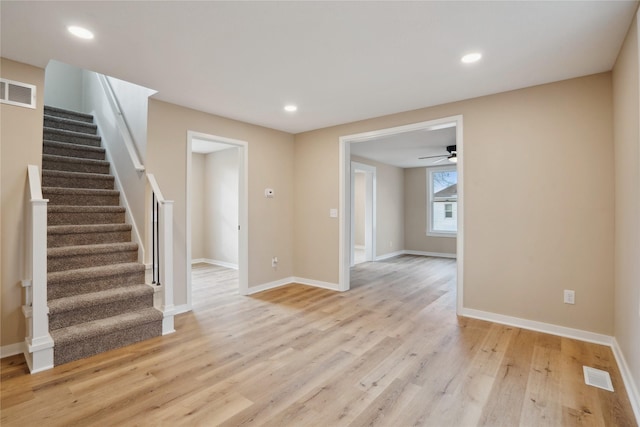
[430, 232]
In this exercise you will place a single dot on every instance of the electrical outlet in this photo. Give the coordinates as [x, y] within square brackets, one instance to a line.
[274, 262]
[569, 296]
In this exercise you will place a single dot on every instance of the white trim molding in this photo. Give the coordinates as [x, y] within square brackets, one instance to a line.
[270, 285]
[317, 283]
[534, 325]
[214, 262]
[12, 349]
[388, 255]
[629, 383]
[431, 254]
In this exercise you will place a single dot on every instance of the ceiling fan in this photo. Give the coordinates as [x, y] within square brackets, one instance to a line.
[452, 156]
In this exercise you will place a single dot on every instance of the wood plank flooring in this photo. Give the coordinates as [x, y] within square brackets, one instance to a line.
[390, 352]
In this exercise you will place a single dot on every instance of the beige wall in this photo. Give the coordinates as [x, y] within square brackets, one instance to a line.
[221, 206]
[524, 152]
[415, 216]
[389, 206]
[270, 155]
[197, 205]
[626, 113]
[20, 145]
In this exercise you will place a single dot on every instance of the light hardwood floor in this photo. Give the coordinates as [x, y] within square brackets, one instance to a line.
[390, 352]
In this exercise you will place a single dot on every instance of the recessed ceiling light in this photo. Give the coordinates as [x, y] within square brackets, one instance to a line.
[290, 108]
[471, 57]
[80, 32]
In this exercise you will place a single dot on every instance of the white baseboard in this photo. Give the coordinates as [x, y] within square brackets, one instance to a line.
[410, 252]
[179, 309]
[316, 283]
[433, 254]
[11, 349]
[270, 285]
[215, 262]
[389, 255]
[290, 280]
[534, 325]
[627, 379]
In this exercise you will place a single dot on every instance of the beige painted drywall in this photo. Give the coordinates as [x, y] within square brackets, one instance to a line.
[359, 200]
[389, 227]
[415, 216]
[197, 205]
[538, 197]
[270, 156]
[221, 206]
[626, 122]
[20, 145]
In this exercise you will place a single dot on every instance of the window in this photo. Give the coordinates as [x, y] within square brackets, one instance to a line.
[448, 210]
[442, 209]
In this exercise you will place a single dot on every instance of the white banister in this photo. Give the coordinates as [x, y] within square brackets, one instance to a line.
[162, 249]
[120, 122]
[39, 344]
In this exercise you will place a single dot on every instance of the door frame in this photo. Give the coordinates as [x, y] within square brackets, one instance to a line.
[243, 217]
[344, 263]
[370, 210]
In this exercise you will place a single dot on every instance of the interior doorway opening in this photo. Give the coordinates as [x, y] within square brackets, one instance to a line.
[388, 139]
[216, 232]
[363, 213]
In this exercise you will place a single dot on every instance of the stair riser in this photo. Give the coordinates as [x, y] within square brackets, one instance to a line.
[51, 135]
[59, 240]
[91, 284]
[90, 260]
[72, 152]
[74, 166]
[83, 200]
[96, 312]
[92, 346]
[78, 182]
[67, 115]
[51, 122]
[66, 218]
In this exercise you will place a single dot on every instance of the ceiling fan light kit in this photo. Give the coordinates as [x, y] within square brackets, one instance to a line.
[452, 156]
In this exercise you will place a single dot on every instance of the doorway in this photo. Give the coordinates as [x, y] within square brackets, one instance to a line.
[363, 213]
[346, 194]
[218, 234]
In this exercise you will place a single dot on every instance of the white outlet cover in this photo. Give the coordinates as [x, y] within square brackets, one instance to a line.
[268, 193]
[333, 213]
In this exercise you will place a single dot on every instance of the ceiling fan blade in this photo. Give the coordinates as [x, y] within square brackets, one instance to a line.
[433, 157]
[438, 161]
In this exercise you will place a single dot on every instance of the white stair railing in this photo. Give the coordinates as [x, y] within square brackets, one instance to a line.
[162, 254]
[38, 343]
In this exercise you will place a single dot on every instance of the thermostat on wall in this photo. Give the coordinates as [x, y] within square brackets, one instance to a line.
[268, 192]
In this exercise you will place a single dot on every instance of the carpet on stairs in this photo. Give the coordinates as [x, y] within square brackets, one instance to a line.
[96, 290]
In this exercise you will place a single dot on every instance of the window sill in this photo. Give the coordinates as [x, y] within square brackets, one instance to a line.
[441, 234]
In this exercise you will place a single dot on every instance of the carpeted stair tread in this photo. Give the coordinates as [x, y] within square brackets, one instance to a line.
[87, 234]
[85, 331]
[61, 112]
[94, 279]
[93, 299]
[66, 179]
[96, 249]
[94, 272]
[87, 228]
[69, 124]
[81, 196]
[62, 135]
[84, 215]
[66, 159]
[69, 149]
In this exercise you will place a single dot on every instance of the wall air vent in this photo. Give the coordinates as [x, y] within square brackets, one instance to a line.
[17, 93]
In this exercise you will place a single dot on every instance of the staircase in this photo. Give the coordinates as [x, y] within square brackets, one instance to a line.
[96, 291]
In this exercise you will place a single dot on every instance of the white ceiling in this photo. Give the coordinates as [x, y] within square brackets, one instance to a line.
[202, 146]
[338, 61]
[403, 150]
